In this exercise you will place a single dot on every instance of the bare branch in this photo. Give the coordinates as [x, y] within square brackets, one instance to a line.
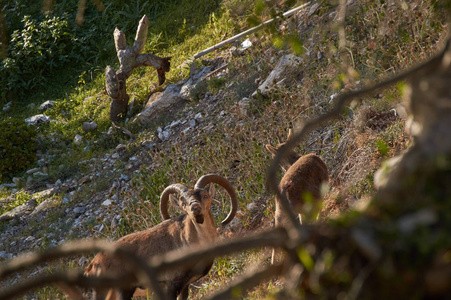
[124, 130]
[141, 35]
[145, 273]
[119, 40]
[272, 238]
[69, 277]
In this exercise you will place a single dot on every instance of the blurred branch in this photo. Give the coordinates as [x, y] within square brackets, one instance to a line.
[145, 274]
[70, 278]
[79, 19]
[189, 258]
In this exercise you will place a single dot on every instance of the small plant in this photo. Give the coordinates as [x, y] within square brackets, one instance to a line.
[215, 84]
[36, 50]
[19, 199]
[17, 147]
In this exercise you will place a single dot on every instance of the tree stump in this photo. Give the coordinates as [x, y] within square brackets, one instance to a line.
[130, 57]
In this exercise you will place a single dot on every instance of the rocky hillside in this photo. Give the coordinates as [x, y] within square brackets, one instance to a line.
[218, 119]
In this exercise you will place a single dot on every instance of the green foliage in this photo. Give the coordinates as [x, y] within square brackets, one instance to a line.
[36, 50]
[382, 147]
[17, 147]
[215, 83]
[18, 199]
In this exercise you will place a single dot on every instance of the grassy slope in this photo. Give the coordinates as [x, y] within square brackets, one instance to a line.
[381, 39]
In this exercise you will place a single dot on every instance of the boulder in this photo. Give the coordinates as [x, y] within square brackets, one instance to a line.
[287, 69]
[89, 126]
[164, 103]
[192, 82]
[46, 105]
[37, 119]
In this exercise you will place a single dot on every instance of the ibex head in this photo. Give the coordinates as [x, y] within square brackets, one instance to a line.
[290, 158]
[196, 203]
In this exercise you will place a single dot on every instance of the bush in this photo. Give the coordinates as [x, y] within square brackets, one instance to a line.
[17, 147]
[34, 51]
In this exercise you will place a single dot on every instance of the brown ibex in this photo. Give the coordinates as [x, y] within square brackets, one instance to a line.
[301, 183]
[195, 227]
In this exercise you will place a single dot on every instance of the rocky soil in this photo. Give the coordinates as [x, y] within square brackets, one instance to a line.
[91, 203]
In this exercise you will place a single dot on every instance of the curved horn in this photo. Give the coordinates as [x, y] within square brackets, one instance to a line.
[164, 198]
[213, 178]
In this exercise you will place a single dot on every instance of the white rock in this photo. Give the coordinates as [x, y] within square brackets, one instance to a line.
[174, 124]
[191, 83]
[4, 255]
[46, 105]
[287, 67]
[246, 44]
[32, 171]
[77, 139]
[37, 174]
[124, 178]
[37, 119]
[17, 180]
[89, 126]
[7, 106]
[30, 238]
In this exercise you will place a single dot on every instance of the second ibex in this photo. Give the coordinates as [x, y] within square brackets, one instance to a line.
[304, 176]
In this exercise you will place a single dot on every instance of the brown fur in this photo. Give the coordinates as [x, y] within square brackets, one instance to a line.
[303, 179]
[306, 175]
[195, 227]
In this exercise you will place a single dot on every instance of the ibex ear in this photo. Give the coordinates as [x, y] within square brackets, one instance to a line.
[212, 190]
[271, 149]
[290, 134]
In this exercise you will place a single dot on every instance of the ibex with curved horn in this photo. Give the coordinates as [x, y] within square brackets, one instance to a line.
[195, 227]
[302, 181]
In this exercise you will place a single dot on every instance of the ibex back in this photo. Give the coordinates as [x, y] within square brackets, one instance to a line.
[301, 183]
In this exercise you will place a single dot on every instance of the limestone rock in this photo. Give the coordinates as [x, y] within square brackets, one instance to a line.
[287, 69]
[89, 126]
[166, 102]
[37, 119]
[46, 105]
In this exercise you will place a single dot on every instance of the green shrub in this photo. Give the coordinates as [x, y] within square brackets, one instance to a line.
[35, 51]
[17, 147]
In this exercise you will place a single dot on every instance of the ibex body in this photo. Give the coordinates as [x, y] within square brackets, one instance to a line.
[195, 227]
[303, 179]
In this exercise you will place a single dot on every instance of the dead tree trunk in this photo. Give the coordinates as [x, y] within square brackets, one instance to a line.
[130, 57]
